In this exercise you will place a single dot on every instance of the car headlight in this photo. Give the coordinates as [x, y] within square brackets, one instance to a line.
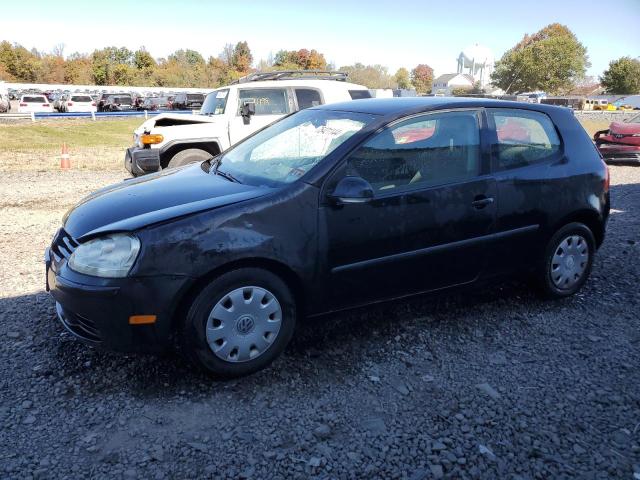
[111, 256]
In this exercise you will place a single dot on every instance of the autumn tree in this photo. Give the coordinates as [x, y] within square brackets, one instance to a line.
[241, 58]
[402, 78]
[77, 69]
[422, 78]
[302, 59]
[371, 76]
[551, 60]
[104, 64]
[622, 76]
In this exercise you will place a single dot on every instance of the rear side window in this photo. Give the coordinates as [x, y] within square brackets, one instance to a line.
[307, 98]
[358, 94]
[269, 101]
[522, 138]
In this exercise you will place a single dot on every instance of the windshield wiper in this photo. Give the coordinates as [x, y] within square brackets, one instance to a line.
[215, 166]
[227, 175]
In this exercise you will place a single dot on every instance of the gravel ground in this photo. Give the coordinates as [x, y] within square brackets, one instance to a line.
[487, 384]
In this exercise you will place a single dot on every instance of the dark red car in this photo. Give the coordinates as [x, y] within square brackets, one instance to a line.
[621, 142]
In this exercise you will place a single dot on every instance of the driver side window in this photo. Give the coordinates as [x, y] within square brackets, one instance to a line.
[268, 101]
[427, 150]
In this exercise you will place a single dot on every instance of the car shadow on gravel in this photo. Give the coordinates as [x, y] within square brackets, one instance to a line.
[324, 347]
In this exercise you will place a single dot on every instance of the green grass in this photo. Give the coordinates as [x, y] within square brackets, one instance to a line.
[49, 135]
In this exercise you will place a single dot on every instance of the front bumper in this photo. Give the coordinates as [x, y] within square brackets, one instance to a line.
[97, 310]
[140, 161]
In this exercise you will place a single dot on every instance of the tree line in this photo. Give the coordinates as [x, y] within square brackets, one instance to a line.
[552, 60]
[183, 68]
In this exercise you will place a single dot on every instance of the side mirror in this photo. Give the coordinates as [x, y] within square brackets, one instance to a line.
[247, 109]
[351, 190]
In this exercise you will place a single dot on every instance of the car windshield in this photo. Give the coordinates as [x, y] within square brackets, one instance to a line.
[215, 103]
[287, 150]
[81, 98]
[34, 100]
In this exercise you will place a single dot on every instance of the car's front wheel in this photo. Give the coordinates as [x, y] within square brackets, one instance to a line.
[239, 323]
[190, 155]
[567, 261]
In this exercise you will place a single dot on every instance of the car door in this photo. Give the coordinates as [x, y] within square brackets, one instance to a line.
[432, 210]
[271, 105]
[530, 171]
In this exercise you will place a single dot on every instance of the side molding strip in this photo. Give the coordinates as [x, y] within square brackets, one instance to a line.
[434, 249]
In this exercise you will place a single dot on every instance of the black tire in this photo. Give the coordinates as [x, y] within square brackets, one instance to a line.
[190, 155]
[193, 337]
[545, 281]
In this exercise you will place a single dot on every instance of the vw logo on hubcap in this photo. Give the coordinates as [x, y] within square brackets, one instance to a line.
[245, 325]
[570, 261]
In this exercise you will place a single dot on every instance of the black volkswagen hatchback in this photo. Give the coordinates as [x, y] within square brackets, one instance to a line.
[330, 208]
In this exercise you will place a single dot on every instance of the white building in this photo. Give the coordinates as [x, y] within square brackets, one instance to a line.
[445, 84]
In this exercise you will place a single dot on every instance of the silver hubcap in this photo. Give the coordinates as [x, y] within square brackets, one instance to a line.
[569, 262]
[244, 324]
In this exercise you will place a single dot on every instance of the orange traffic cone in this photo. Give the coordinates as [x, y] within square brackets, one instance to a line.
[65, 163]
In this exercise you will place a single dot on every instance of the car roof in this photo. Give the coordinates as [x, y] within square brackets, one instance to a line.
[407, 105]
[301, 83]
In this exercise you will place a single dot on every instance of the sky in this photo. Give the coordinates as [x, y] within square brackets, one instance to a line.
[394, 34]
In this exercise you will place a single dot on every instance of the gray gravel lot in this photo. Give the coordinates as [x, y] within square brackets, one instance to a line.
[493, 383]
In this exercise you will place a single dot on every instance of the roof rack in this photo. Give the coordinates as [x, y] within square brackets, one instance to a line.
[294, 75]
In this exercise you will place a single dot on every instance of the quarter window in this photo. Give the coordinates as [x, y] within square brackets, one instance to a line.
[522, 138]
[423, 151]
[307, 98]
[269, 101]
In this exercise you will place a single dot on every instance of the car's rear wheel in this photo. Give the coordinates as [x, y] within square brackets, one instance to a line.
[190, 155]
[567, 261]
[239, 323]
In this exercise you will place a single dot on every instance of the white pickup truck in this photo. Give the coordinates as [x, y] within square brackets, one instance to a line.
[232, 113]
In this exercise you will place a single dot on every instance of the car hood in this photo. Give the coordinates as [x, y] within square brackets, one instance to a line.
[624, 128]
[154, 198]
[173, 119]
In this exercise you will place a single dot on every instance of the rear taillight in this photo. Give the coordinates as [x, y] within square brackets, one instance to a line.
[45, 105]
[70, 104]
[23, 104]
[93, 104]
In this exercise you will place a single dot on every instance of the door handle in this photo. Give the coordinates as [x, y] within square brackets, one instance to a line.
[481, 201]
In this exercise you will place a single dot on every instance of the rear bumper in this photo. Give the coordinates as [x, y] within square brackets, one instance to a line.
[97, 310]
[615, 153]
[140, 161]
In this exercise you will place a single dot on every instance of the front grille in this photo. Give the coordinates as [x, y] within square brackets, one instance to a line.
[79, 325]
[63, 246]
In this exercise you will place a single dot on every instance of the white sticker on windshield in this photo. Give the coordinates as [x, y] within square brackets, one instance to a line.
[221, 94]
